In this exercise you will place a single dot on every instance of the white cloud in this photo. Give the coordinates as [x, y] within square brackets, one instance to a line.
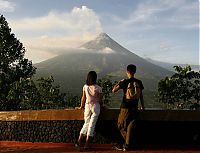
[107, 50]
[153, 14]
[6, 6]
[79, 20]
[57, 31]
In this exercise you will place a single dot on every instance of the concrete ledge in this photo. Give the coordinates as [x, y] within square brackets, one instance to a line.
[39, 115]
[170, 115]
[106, 114]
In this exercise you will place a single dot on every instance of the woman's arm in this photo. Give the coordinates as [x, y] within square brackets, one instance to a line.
[83, 100]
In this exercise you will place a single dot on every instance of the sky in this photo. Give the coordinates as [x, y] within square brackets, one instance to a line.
[163, 30]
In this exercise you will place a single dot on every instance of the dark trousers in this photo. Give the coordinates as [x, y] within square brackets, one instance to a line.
[126, 124]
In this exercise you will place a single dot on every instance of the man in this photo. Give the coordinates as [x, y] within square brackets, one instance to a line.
[132, 89]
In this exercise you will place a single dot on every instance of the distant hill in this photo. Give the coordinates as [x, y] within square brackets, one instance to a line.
[170, 66]
[106, 57]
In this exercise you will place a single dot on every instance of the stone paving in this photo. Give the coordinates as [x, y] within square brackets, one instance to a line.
[106, 148]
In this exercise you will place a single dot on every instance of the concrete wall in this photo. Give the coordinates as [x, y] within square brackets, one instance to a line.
[152, 127]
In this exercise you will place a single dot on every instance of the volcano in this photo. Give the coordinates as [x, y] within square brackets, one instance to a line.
[103, 55]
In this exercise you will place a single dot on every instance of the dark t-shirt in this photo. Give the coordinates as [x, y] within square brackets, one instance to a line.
[127, 103]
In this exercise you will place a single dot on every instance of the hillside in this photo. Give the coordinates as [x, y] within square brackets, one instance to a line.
[169, 66]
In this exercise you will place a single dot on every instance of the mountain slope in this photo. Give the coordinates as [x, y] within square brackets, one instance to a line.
[169, 66]
[103, 42]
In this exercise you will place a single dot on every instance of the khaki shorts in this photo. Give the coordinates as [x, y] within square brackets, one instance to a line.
[125, 117]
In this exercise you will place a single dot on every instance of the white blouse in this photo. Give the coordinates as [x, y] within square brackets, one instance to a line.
[92, 93]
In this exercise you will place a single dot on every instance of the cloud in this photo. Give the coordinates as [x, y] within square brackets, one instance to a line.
[153, 14]
[6, 6]
[78, 20]
[57, 31]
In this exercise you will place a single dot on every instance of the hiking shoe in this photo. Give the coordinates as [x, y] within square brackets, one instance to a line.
[117, 147]
[87, 147]
[126, 147]
[77, 147]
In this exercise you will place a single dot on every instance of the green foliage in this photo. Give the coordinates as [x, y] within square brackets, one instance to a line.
[41, 94]
[13, 65]
[181, 90]
[21, 94]
[72, 101]
[107, 86]
[50, 94]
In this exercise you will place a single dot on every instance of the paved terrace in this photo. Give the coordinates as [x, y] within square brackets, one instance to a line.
[24, 147]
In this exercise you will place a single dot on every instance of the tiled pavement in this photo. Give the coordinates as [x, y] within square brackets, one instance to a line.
[10, 147]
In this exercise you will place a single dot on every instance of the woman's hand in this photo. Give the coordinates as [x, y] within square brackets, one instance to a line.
[79, 107]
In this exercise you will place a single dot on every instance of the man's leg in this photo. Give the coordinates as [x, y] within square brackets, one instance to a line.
[122, 118]
[129, 135]
[123, 133]
[122, 122]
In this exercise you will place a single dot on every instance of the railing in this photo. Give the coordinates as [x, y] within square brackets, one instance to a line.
[107, 114]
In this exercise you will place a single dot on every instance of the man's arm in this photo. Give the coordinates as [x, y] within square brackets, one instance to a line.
[100, 99]
[116, 87]
[142, 101]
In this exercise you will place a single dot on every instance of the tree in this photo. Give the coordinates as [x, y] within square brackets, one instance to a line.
[72, 101]
[181, 90]
[39, 94]
[107, 86]
[24, 94]
[13, 65]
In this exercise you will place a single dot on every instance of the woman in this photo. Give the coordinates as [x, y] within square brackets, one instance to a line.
[91, 101]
